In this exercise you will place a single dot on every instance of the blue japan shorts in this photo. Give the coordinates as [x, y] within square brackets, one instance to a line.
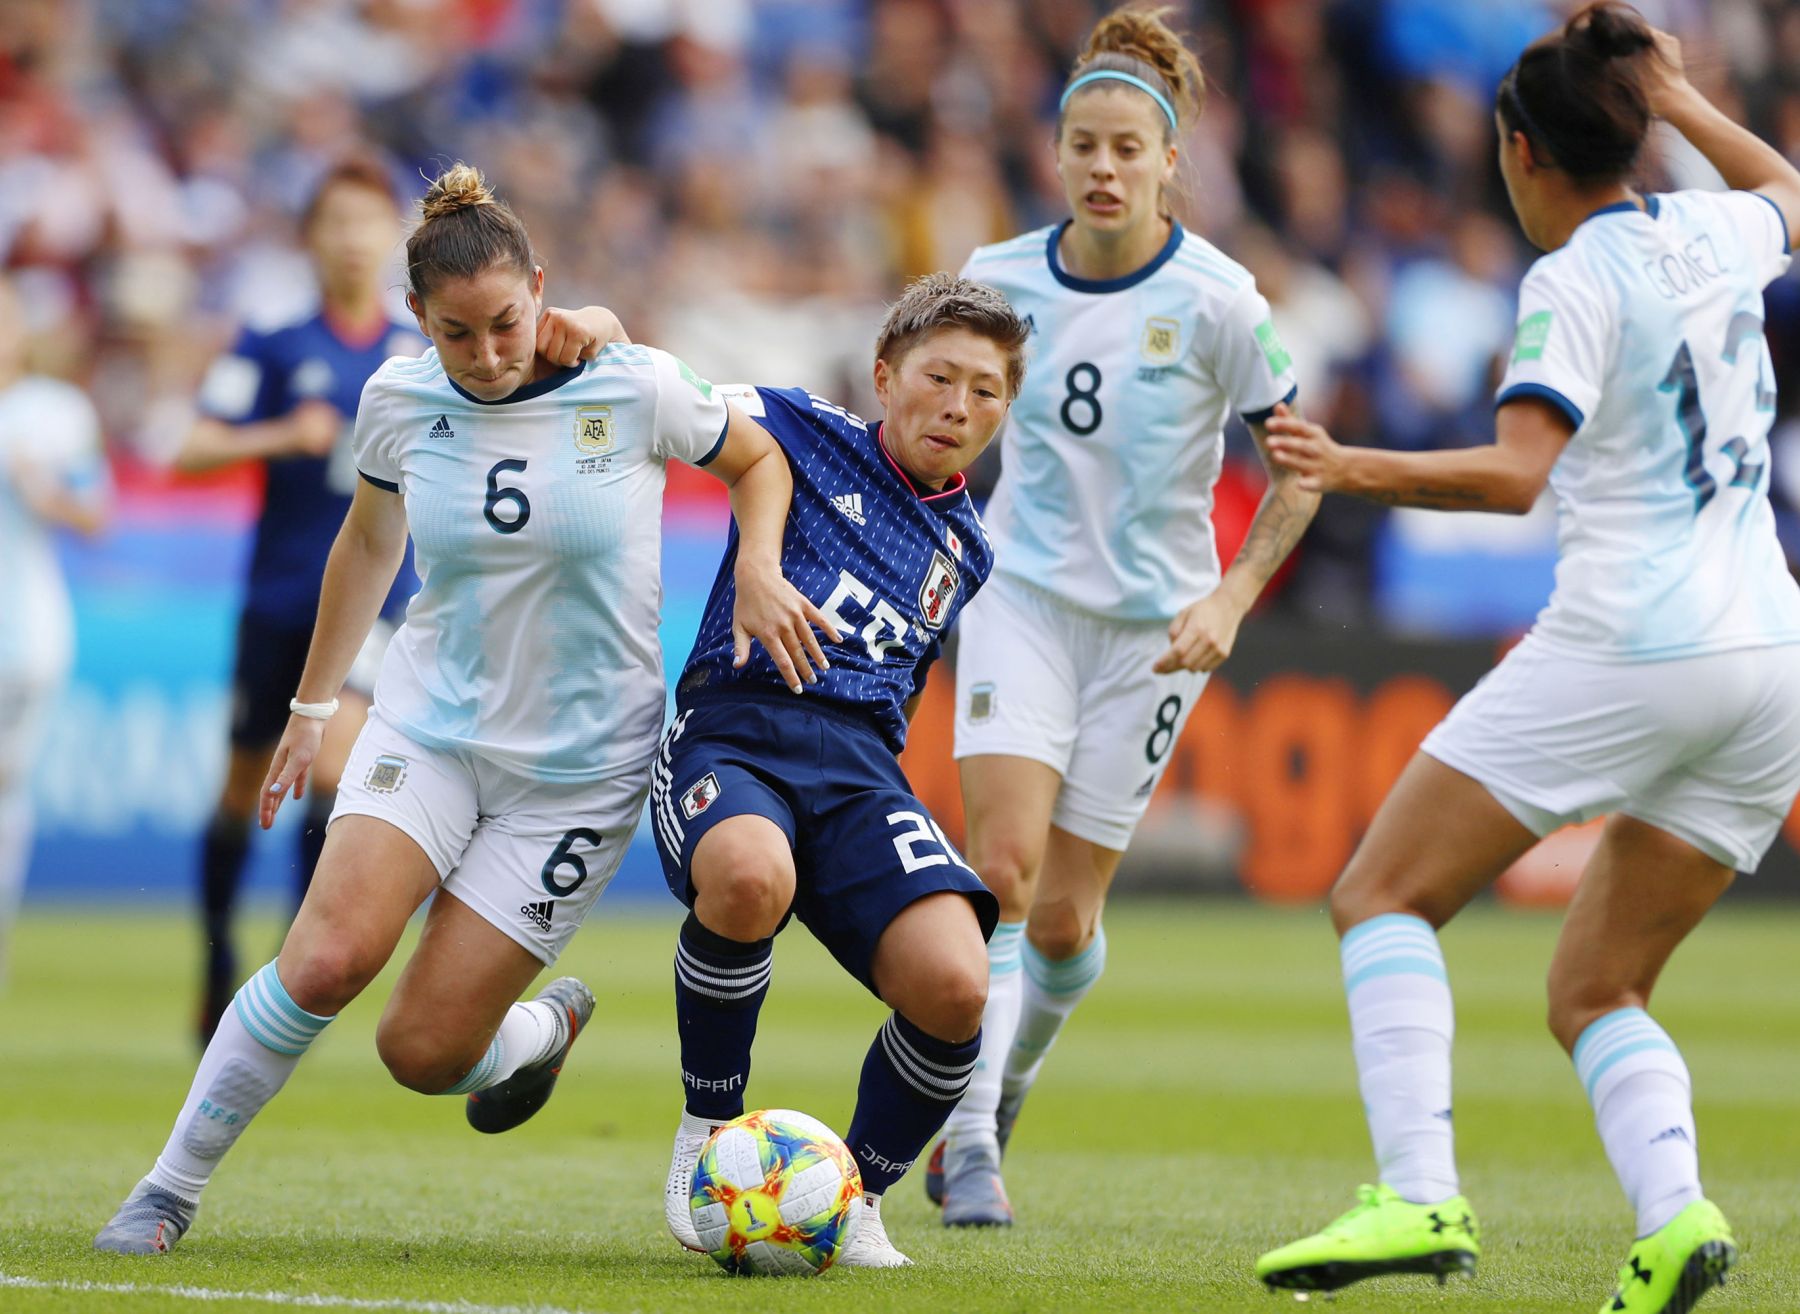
[864, 846]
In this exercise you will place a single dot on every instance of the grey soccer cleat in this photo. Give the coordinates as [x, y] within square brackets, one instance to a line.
[503, 1107]
[974, 1195]
[150, 1222]
[1006, 1117]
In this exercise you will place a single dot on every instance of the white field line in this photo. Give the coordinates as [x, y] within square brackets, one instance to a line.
[292, 1299]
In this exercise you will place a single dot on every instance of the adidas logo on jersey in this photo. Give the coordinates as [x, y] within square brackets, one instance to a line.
[442, 428]
[851, 505]
[538, 914]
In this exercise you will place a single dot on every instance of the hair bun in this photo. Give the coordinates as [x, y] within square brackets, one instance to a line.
[1144, 35]
[1609, 30]
[460, 187]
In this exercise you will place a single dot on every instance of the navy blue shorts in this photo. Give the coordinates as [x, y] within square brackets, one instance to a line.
[270, 658]
[864, 846]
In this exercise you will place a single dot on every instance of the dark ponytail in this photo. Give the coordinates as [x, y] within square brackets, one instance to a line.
[1577, 96]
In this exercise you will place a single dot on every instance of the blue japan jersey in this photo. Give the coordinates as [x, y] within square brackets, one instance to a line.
[889, 566]
[264, 376]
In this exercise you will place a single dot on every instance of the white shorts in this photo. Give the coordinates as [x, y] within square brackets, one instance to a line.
[29, 700]
[1036, 678]
[531, 857]
[1706, 748]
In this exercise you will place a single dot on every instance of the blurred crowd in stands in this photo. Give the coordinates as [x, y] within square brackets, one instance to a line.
[746, 181]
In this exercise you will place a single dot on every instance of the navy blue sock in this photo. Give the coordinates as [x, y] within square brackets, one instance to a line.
[720, 985]
[222, 852]
[910, 1083]
[312, 840]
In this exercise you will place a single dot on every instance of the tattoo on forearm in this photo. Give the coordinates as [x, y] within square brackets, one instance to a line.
[1281, 519]
[1430, 498]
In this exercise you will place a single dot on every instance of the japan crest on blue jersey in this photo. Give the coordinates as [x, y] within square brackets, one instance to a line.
[889, 563]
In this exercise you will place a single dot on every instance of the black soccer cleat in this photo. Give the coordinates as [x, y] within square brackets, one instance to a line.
[503, 1107]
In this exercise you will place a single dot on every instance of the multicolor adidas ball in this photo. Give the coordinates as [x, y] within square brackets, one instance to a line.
[775, 1192]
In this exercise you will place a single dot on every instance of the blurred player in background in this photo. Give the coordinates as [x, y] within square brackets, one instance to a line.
[286, 396]
[1661, 684]
[1078, 667]
[768, 805]
[52, 476]
[505, 762]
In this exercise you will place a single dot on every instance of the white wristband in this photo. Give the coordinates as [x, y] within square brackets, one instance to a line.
[313, 711]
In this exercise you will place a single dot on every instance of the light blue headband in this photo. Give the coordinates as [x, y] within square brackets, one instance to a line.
[1103, 74]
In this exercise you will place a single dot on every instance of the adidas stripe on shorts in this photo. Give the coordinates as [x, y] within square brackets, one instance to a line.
[530, 856]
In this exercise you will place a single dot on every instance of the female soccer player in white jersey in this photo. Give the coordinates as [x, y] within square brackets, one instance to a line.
[1080, 662]
[52, 476]
[1661, 684]
[505, 762]
[283, 396]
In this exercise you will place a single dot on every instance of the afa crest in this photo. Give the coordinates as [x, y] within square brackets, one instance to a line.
[386, 775]
[593, 430]
[1162, 341]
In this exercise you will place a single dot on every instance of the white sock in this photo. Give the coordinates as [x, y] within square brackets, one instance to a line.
[529, 1033]
[1643, 1106]
[1052, 990]
[1401, 1025]
[973, 1119]
[15, 852]
[258, 1044]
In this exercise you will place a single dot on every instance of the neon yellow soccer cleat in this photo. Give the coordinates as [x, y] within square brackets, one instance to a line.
[1668, 1271]
[1382, 1234]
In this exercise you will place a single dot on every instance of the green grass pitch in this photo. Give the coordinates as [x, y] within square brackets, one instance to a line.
[1201, 1108]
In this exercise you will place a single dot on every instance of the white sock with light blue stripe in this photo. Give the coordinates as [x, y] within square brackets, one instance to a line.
[259, 1041]
[1644, 1107]
[1052, 989]
[973, 1119]
[1401, 1025]
[529, 1033]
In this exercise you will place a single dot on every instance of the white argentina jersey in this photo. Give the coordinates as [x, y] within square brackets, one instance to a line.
[537, 526]
[48, 432]
[1646, 330]
[1109, 456]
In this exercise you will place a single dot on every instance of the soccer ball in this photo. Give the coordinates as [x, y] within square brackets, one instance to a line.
[775, 1192]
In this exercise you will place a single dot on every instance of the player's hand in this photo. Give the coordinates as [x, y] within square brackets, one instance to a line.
[565, 337]
[293, 759]
[1201, 637]
[314, 427]
[1305, 448]
[781, 618]
[1662, 74]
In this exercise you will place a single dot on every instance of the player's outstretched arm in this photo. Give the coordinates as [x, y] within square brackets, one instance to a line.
[1744, 160]
[769, 609]
[364, 560]
[1505, 476]
[56, 502]
[1202, 636]
[310, 429]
